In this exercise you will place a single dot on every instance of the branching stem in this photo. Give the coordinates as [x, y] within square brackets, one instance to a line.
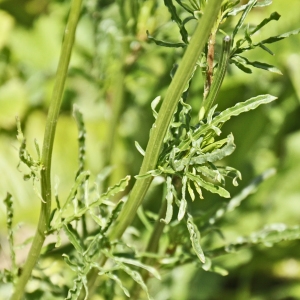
[160, 127]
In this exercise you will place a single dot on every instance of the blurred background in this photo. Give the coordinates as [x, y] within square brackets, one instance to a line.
[115, 73]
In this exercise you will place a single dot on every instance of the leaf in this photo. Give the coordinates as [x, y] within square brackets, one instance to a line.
[139, 148]
[80, 179]
[9, 221]
[247, 9]
[215, 155]
[191, 192]
[225, 115]
[118, 281]
[213, 188]
[274, 16]
[239, 108]
[230, 172]
[213, 174]
[240, 64]
[136, 277]
[260, 65]
[74, 292]
[177, 20]
[117, 188]
[195, 238]
[209, 266]
[277, 38]
[150, 173]
[169, 199]
[81, 138]
[98, 220]
[139, 264]
[198, 189]
[154, 104]
[269, 235]
[237, 10]
[73, 237]
[165, 44]
[114, 215]
[183, 203]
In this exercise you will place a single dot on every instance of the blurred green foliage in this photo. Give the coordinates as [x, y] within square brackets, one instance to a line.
[109, 57]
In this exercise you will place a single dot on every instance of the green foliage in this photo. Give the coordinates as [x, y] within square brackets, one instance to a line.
[123, 56]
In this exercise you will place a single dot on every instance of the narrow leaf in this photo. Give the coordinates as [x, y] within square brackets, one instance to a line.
[247, 9]
[195, 238]
[139, 264]
[73, 237]
[169, 199]
[139, 148]
[213, 188]
[177, 20]
[183, 203]
[118, 282]
[237, 10]
[274, 16]
[274, 39]
[215, 155]
[165, 44]
[137, 278]
[261, 65]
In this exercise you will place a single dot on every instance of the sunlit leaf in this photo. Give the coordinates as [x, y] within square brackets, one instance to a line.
[213, 188]
[246, 10]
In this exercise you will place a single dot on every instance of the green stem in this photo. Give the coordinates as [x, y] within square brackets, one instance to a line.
[51, 122]
[152, 247]
[166, 112]
[160, 127]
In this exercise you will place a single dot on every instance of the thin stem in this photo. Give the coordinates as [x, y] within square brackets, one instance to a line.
[51, 122]
[160, 127]
[152, 247]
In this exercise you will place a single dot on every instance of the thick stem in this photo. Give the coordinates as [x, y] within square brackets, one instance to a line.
[160, 127]
[166, 112]
[51, 122]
